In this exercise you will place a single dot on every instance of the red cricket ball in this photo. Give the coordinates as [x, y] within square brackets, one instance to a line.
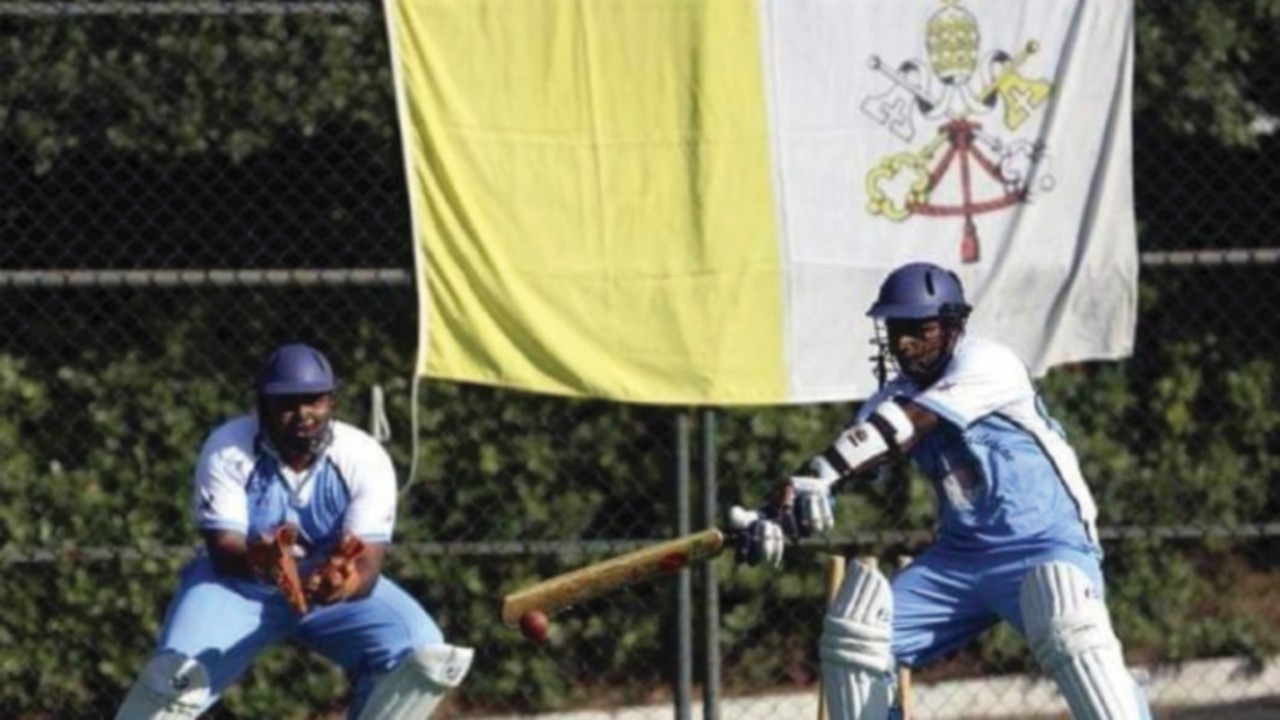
[534, 625]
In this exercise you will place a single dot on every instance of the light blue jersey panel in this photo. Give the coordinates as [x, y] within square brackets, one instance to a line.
[319, 514]
[998, 488]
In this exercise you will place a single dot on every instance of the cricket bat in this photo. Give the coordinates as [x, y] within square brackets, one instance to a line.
[601, 578]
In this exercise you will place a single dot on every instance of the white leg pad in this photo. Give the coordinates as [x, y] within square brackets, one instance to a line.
[414, 688]
[1069, 630]
[855, 648]
[172, 687]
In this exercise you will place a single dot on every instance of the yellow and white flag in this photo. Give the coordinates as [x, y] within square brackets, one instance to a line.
[695, 201]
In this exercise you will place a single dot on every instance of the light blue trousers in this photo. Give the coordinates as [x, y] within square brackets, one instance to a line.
[226, 623]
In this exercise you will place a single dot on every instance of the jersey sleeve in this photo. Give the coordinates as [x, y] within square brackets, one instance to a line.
[982, 378]
[372, 513]
[220, 499]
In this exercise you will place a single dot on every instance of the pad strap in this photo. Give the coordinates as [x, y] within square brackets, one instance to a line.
[172, 687]
[445, 665]
[418, 683]
[847, 642]
[858, 627]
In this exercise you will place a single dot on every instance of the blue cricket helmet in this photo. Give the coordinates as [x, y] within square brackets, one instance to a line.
[296, 369]
[920, 290]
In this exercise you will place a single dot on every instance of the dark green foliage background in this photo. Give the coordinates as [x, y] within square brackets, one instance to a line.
[270, 142]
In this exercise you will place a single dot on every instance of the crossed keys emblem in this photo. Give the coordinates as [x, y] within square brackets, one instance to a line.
[904, 184]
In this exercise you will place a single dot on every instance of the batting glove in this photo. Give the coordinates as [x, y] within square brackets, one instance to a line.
[813, 506]
[760, 540]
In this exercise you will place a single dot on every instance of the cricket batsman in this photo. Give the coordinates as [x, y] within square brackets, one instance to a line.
[1016, 536]
[296, 510]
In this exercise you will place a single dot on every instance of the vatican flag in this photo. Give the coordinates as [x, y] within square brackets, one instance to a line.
[695, 201]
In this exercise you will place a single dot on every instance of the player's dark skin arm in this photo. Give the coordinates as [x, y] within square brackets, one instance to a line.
[369, 567]
[229, 553]
[924, 420]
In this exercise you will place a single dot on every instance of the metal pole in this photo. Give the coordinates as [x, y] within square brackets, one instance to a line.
[684, 586]
[710, 578]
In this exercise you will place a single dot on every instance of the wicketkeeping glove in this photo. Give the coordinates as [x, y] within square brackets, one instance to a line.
[271, 557]
[337, 579]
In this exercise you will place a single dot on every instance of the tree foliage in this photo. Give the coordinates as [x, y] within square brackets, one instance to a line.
[1199, 68]
[231, 86]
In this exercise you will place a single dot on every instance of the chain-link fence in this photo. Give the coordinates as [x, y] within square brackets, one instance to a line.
[186, 184]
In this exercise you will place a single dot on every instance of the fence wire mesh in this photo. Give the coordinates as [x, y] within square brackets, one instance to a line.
[185, 185]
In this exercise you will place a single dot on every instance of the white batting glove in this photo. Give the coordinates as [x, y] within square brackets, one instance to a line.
[759, 538]
[814, 511]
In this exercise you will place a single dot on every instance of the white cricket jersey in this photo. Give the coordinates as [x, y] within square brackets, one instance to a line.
[1003, 472]
[241, 485]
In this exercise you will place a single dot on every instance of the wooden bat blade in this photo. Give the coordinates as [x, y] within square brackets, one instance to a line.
[608, 575]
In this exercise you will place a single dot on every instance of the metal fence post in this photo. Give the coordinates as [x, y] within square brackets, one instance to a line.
[684, 586]
[710, 578]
